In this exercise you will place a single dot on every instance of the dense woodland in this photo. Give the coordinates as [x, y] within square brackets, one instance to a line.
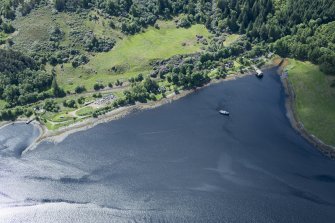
[21, 81]
[302, 29]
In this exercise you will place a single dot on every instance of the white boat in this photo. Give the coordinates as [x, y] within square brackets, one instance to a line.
[223, 112]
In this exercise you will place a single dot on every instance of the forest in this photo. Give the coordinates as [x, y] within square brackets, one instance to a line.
[21, 81]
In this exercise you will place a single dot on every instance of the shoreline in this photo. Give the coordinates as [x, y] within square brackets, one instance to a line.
[292, 115]
[56, 136]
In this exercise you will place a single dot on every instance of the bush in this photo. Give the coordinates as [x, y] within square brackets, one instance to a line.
[175, 89]
[152, 97]
[327, 68]
[79, 60]
[81, 100]
[95, 114]
[139, 78]
[51, 106]
[151, 85]
[184, 22]
[112, 24]
[70, 103]
[56, 34]
[99, 95]
[94, 44]
[98, 86]
[28, 113]
[118, 83]
[7, 28]
[80, 89]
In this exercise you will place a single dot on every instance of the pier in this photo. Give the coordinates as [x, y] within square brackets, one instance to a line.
[259, 73]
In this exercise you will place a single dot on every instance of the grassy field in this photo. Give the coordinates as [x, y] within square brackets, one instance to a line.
[33, 29]
[133, 54]
[230, 39]
[85, 111]
[315, 99]
[62, 117]
[136, 51]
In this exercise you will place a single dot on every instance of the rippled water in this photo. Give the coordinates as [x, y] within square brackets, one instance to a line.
[181, 162]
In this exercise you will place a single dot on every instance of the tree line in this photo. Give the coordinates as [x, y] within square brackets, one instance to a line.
[310, 42]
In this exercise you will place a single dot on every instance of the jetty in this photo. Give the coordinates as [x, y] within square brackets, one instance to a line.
[259, 73]
[29, 121]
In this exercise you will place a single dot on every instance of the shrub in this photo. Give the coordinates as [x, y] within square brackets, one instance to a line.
[79, 60]
[98, 86]
[118, 83]
[94, 44]
[99, 95]
[70, 103]
[184, 22]
[139, 78]
[81, 100]
[80, 89]
[51, 106]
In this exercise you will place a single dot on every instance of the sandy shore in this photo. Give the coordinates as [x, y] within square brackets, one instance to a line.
[293, 117]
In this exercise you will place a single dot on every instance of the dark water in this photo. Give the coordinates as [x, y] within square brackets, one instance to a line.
[182, 162]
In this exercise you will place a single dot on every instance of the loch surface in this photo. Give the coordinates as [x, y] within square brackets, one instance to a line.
[181, 162]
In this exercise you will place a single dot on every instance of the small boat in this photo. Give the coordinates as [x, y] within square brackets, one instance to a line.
[222, 112]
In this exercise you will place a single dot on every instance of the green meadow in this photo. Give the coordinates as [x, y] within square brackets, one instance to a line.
[132, 55]
[230, 39]
[315, 99]
[134, 52]
[85, 111]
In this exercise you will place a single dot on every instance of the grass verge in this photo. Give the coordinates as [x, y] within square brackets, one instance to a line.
[315, 99]
[85, 111]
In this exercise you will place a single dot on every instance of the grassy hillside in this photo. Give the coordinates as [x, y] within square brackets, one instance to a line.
[136, 51]
[34, 29]
[315, 99]
[133, 54]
